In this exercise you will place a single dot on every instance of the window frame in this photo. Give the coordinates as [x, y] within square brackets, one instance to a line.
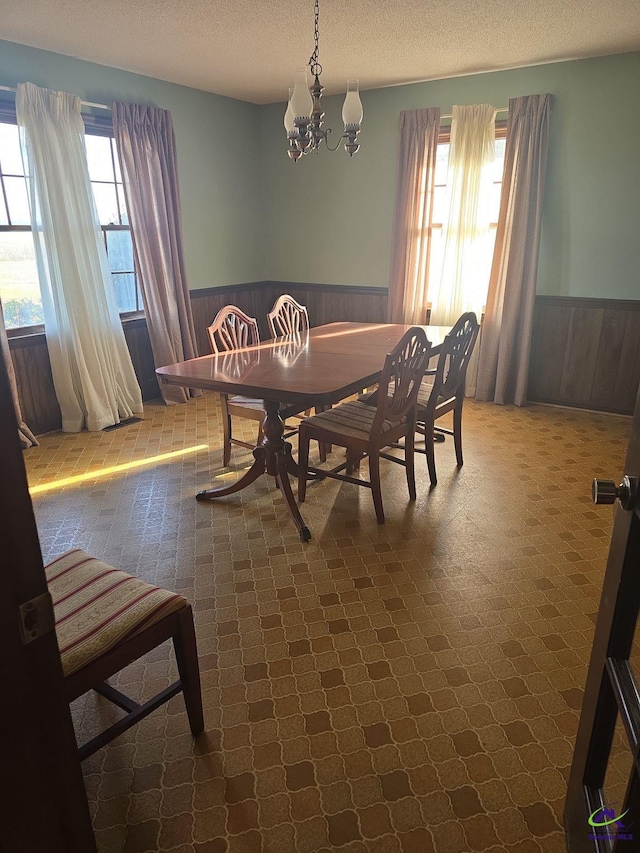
[94, 125]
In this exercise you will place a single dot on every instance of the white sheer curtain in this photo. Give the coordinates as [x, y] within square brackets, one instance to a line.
[94, 379]
[468, 247]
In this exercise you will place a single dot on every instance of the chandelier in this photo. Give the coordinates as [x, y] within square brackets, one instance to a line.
[303, 118]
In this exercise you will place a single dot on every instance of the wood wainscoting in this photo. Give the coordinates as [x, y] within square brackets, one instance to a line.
[32, 367]
[585, 352]
[326, 303]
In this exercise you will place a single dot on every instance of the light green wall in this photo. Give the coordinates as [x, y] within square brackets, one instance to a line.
[215, 139]
[328, 219]
[250, 214]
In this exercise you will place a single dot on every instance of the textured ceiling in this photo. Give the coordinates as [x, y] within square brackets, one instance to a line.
[248, 50]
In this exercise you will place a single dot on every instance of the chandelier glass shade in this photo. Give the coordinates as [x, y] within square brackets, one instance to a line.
[303, 118]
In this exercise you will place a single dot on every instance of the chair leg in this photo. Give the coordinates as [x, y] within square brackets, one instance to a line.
[226, 436]
[430, 451]
[409, 461]
[457, 433]
[374, 473]
[260, 436]
[323, 448]
[184, 643]
[303, 463]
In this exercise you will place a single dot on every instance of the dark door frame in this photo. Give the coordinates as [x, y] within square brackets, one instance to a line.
[610, 690]
[43, 805]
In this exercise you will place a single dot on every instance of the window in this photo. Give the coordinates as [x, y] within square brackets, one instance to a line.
[106, 182]
[19, 286]
[440, 195]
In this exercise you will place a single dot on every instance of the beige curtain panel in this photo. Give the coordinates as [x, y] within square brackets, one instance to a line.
[27, 438]
[410, 251]
[147, 153]
[93, 376]
[461, 285]
[503, 366]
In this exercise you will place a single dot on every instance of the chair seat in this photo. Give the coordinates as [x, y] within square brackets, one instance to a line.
[249, 402]
[352, 420]
[258, 405]
[98, 607]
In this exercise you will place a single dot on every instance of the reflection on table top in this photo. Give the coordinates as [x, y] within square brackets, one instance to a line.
[326, 362]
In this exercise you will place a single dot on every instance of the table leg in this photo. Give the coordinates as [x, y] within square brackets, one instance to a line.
[274, 458]
[285, 464]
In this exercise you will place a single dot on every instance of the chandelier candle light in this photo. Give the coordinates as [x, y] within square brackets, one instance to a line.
[303, 118]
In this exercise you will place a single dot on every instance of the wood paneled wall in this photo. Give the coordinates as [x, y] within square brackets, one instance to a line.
[585, 352]
[32, 367]
[325, 304]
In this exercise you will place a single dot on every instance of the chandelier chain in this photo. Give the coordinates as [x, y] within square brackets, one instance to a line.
[316, 68]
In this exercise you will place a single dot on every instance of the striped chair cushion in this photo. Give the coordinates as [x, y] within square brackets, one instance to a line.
[97, 607]
[353, 420]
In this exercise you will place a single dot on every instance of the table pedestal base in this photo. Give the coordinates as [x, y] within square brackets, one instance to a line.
[272, 457]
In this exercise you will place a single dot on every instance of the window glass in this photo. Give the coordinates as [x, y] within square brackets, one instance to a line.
[498, 166]
[17, 201]
[106, 182]
[19, 287]
[10, 154]
[120, 251]
[442, 163]
[439, 205]
[106, 203]
[127, 295]
[99, 158]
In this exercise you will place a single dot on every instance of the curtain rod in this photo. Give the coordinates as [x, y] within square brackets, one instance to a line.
[105, 107]
[498, 110]
[84, 103]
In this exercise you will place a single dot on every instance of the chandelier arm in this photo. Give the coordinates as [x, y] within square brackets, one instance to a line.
[326, 141]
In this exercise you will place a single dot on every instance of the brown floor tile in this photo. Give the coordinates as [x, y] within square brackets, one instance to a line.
[343, 827]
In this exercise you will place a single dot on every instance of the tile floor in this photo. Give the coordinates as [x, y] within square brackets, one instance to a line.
[411, 687]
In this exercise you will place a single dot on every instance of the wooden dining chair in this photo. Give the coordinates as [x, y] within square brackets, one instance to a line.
[442, 390]
[232, 330]
[287, 317]
[364, 429]
[104, 620]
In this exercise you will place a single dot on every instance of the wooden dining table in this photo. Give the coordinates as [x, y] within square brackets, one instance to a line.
[320, 367]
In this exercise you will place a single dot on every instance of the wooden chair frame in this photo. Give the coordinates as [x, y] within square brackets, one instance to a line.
[177, 626]
[447, 394]
[402, 374]
[287, 317]
[232, 329]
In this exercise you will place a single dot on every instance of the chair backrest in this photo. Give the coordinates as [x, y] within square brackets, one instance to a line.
[232, 329]
[454, 358]
[404, 368]
[287, 317]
